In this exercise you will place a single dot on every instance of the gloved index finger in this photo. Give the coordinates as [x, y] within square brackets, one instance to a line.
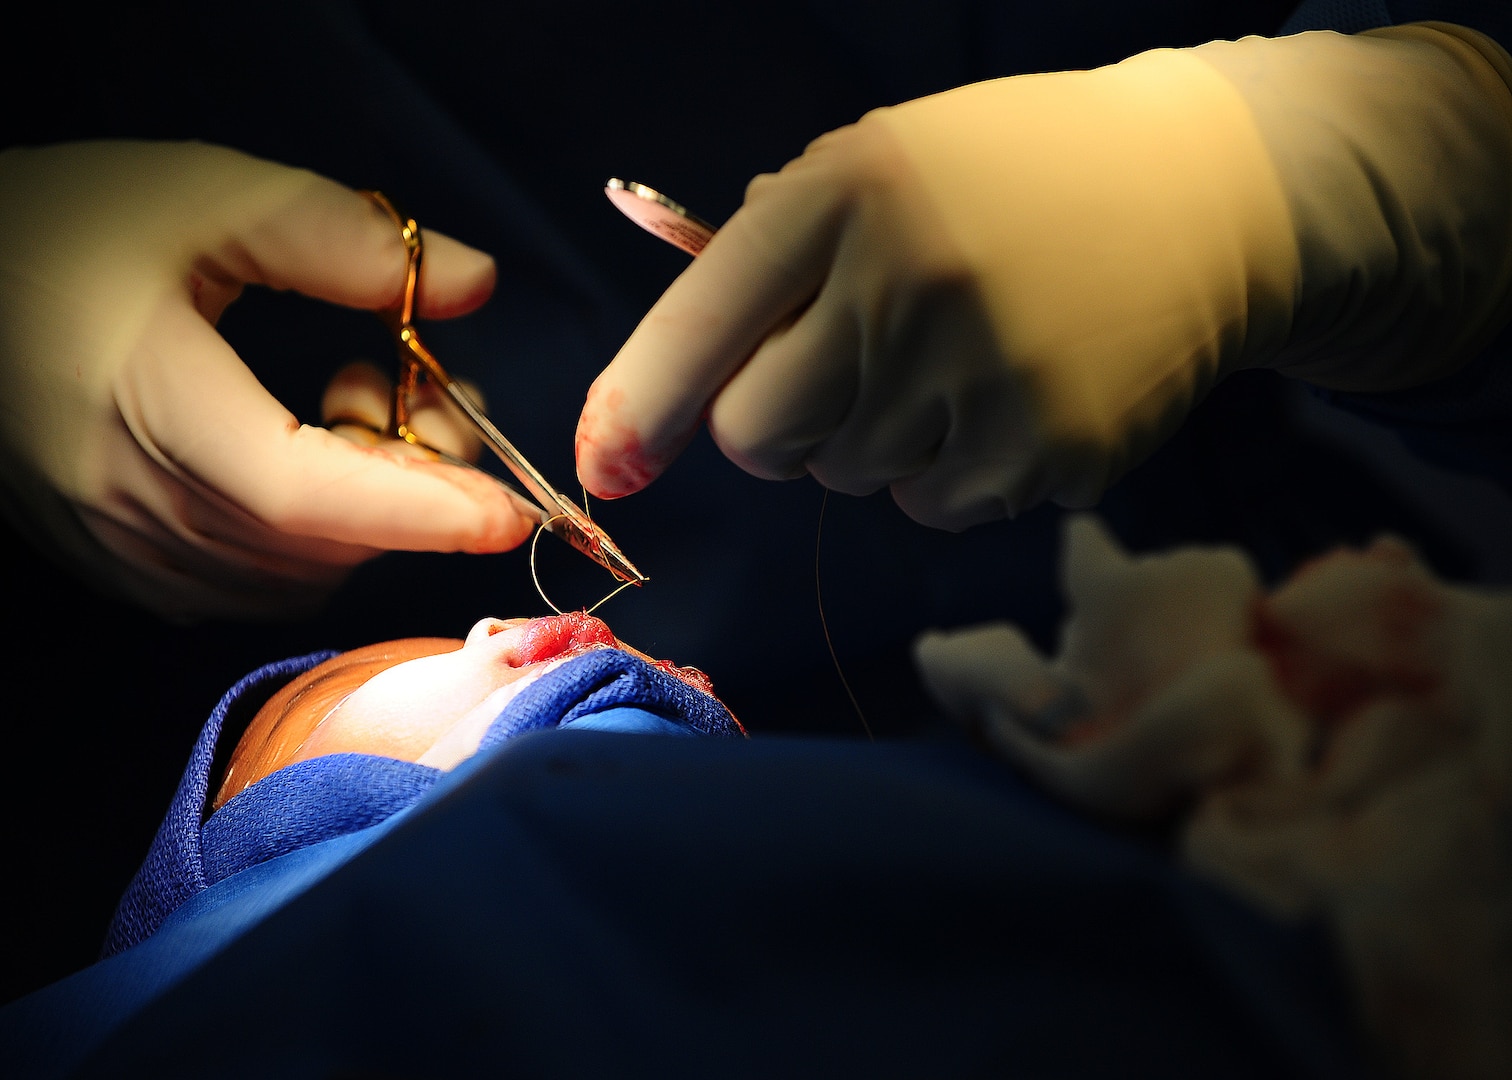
[294, 229]
[758, 270]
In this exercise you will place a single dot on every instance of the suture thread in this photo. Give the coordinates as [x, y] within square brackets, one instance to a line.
[536, 539]
[824, 623]
[818, 598]
[537, 578]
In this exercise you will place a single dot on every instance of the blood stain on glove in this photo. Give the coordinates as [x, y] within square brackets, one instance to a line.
[617, 462]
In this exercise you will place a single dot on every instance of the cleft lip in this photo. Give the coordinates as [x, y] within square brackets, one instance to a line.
[554, 636]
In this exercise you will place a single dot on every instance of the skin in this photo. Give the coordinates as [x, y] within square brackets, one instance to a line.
[427, 700]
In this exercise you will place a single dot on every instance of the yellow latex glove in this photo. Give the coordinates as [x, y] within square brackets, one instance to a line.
[1014, 291]
[139, 449]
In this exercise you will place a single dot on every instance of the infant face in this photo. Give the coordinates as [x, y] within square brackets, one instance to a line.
[427, 700]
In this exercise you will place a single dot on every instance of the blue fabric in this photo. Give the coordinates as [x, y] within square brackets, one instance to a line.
[50, 1031]
[580, 904]
[305, 803]
[173, 870]
[601, 680]
[629, 721]
[327, 797]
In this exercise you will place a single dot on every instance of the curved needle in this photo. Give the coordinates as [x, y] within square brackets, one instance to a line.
[561, 516]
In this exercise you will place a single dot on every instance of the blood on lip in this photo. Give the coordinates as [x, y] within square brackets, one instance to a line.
[553, 636]
[557, 637]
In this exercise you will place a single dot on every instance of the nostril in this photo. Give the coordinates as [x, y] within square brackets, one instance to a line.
[498, 626]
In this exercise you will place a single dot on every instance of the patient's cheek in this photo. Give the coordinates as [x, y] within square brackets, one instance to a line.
[402, 711]
[461, 739]
[390, 733]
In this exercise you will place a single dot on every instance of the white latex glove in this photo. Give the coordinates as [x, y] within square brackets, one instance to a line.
[1013, 291]
[138, 448]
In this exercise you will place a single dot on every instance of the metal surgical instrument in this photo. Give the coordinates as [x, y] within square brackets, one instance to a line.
[560, 516]
[657, 214]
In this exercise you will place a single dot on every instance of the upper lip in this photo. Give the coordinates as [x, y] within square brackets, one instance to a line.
[551, 637]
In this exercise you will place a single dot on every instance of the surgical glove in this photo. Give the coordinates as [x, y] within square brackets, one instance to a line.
[139, 449]
[1014, 291]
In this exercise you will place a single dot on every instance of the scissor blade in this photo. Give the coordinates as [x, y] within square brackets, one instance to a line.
[563, 518]
[593, 542]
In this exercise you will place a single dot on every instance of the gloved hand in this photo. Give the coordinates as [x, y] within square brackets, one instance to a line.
[1013, 291]
[139, 449]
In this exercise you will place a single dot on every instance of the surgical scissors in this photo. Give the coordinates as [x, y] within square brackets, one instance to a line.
[561, 516]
